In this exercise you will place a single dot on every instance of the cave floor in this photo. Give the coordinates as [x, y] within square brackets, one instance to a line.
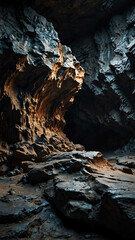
[122, 161]
[43, 223]
[26, 214]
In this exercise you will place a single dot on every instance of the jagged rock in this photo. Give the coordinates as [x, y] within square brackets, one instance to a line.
[39, 174]
[55, 162]
[43, 224]
[24, 153]
[16, 209]
[102, 116]
[123, 211]
[84, 187]
[78, 18]
[41, 150]
[40, 80]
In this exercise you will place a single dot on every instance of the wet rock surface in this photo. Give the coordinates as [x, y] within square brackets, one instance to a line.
[102, 116]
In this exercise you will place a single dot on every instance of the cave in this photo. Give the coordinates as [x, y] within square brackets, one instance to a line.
[67, 120]
[83, 129]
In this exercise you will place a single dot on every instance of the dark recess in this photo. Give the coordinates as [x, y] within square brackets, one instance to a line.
[94, 136]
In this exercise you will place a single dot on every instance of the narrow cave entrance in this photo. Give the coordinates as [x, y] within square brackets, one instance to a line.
[81, 128]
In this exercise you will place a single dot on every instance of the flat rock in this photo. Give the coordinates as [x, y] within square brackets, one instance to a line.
[16, 209]
[42, 223]
[128, 161]
[94, 193]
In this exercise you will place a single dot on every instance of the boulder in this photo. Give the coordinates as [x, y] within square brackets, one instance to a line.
[86, 188]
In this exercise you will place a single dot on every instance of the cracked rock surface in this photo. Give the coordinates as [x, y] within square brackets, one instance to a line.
[86, 188]
[25, 214]
[50, 187]
[103, 115]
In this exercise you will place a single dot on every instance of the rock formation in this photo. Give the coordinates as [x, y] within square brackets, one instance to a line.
[74, 18]
[50, 187]
[103, 115]
[39, 78]
[86, 189]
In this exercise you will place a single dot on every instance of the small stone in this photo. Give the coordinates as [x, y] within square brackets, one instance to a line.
[11, 191]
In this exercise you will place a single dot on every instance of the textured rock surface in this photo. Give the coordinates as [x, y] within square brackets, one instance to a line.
[85, 188]
[74, 18]
[39, 78]
[103, 115]
[90, 193]
[27, 215]
[125, 163]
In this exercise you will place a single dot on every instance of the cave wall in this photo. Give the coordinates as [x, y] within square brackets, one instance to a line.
[73, 18]
[46, 176]
[103, 115]
[39, 77]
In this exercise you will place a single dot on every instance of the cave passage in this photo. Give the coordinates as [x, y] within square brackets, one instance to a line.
[102, 116]
[83, 128]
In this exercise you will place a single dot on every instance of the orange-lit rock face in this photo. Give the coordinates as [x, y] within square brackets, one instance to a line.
[39, 76]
